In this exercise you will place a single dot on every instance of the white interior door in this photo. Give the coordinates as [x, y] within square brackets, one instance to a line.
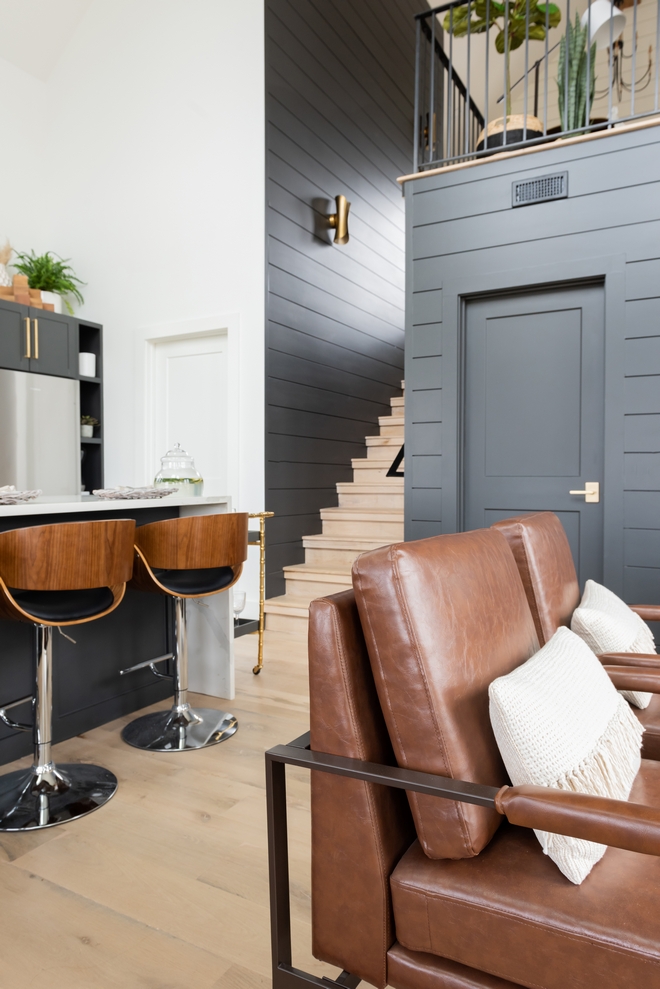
[190, 404]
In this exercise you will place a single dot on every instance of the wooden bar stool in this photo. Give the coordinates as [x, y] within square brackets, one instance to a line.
[186, 558]
[53, 575]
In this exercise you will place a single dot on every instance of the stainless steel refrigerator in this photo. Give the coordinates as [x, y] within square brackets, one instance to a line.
[40, 432]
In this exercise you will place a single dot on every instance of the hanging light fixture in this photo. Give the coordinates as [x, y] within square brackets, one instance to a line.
[606, 24]
[600, 31]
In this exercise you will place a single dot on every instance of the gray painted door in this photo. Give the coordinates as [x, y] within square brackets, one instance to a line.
[534, 392]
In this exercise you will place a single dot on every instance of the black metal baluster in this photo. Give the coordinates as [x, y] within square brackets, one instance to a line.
[418, 42]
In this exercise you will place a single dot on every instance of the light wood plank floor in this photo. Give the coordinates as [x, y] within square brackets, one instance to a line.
[166, 887]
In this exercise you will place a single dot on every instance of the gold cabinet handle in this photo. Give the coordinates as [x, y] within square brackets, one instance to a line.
[36, 339]
[591, 492]
[28, 348]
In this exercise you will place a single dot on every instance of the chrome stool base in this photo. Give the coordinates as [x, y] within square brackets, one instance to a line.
[179, 730]
[52, 794]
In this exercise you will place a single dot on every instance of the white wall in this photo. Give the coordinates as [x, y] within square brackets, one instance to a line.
[150, 178]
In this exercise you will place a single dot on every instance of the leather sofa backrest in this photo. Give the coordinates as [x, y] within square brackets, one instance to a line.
[359, 830]
[442, 618]
[545, 563]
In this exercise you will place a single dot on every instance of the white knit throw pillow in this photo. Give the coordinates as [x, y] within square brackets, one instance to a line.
[559, 722]
[607, 624]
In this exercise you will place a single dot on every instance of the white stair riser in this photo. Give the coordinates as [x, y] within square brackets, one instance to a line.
[308, 590]
[398, 403]
[286, 623]
[364, 474]
[393, 501]
[395, 431]
[387, 531]
[331, 557]
[382, 452]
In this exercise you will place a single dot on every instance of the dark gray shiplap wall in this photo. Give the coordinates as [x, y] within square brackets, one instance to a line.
[339, 111]
[460, 229]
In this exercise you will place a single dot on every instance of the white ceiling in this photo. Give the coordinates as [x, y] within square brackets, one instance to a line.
[34, 33]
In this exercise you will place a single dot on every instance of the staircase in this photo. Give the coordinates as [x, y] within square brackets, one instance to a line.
[369, 514]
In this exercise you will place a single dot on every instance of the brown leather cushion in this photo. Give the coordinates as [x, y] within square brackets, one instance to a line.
[442, 618]
[511, 913]
[543, 555]
[650, 718]
[416, 970]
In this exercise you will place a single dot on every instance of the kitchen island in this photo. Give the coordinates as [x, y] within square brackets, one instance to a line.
[88, 689]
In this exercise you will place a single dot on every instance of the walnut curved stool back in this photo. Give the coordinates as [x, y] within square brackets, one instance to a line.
[545, 563]
[53, 575]
[186, 558]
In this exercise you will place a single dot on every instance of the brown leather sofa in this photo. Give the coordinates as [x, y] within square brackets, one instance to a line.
[545, 563]
[446, 886]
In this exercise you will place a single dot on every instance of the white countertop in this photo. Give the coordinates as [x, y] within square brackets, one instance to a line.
[74, 504]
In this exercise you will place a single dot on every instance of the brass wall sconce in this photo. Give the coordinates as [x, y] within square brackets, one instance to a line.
[339, 220]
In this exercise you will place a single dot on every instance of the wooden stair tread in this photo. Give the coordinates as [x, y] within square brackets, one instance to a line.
[363, 514]
[304, 571]
[390, 485]
[360, 544]
[287, 604]
[394, 441]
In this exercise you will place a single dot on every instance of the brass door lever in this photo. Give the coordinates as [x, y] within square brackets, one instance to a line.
[591, 492]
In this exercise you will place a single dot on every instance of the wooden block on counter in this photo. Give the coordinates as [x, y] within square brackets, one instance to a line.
[35, 294]
[21, 281]
[48, 306]
[22, 298]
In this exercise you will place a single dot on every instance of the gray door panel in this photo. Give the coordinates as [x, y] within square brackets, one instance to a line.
[534, 393]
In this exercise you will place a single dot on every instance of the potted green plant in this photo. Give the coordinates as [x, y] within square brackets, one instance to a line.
[573, 111]
[515, 21]
[53, 275]
[87, 424]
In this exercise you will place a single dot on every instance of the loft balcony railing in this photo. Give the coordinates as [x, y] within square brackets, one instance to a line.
[498, 75]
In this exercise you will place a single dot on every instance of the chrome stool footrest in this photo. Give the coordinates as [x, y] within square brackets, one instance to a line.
[180, 729]
[44, 796]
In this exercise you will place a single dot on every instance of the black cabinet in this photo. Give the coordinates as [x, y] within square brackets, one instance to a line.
[53, 347]
[15, 337]
[37, 340]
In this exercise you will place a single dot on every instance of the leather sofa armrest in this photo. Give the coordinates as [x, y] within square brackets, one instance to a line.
[634, 678]
[649, 612]
[640, 660]
[581, 815]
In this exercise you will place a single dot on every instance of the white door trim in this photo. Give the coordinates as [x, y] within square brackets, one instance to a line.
[146, 339]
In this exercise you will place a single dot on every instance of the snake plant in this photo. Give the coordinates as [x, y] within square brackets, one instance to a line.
[573, 115]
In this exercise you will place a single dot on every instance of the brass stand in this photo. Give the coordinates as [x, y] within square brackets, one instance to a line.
[262, 516]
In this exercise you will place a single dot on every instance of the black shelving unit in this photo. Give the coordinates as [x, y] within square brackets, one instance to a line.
[90, 341]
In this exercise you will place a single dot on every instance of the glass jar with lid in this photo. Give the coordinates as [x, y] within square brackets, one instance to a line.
[177, 470]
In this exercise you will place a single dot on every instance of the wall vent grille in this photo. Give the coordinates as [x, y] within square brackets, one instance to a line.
[539, 190]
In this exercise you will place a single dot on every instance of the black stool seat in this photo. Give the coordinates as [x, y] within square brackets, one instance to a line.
[204, 581]
[64, 606]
